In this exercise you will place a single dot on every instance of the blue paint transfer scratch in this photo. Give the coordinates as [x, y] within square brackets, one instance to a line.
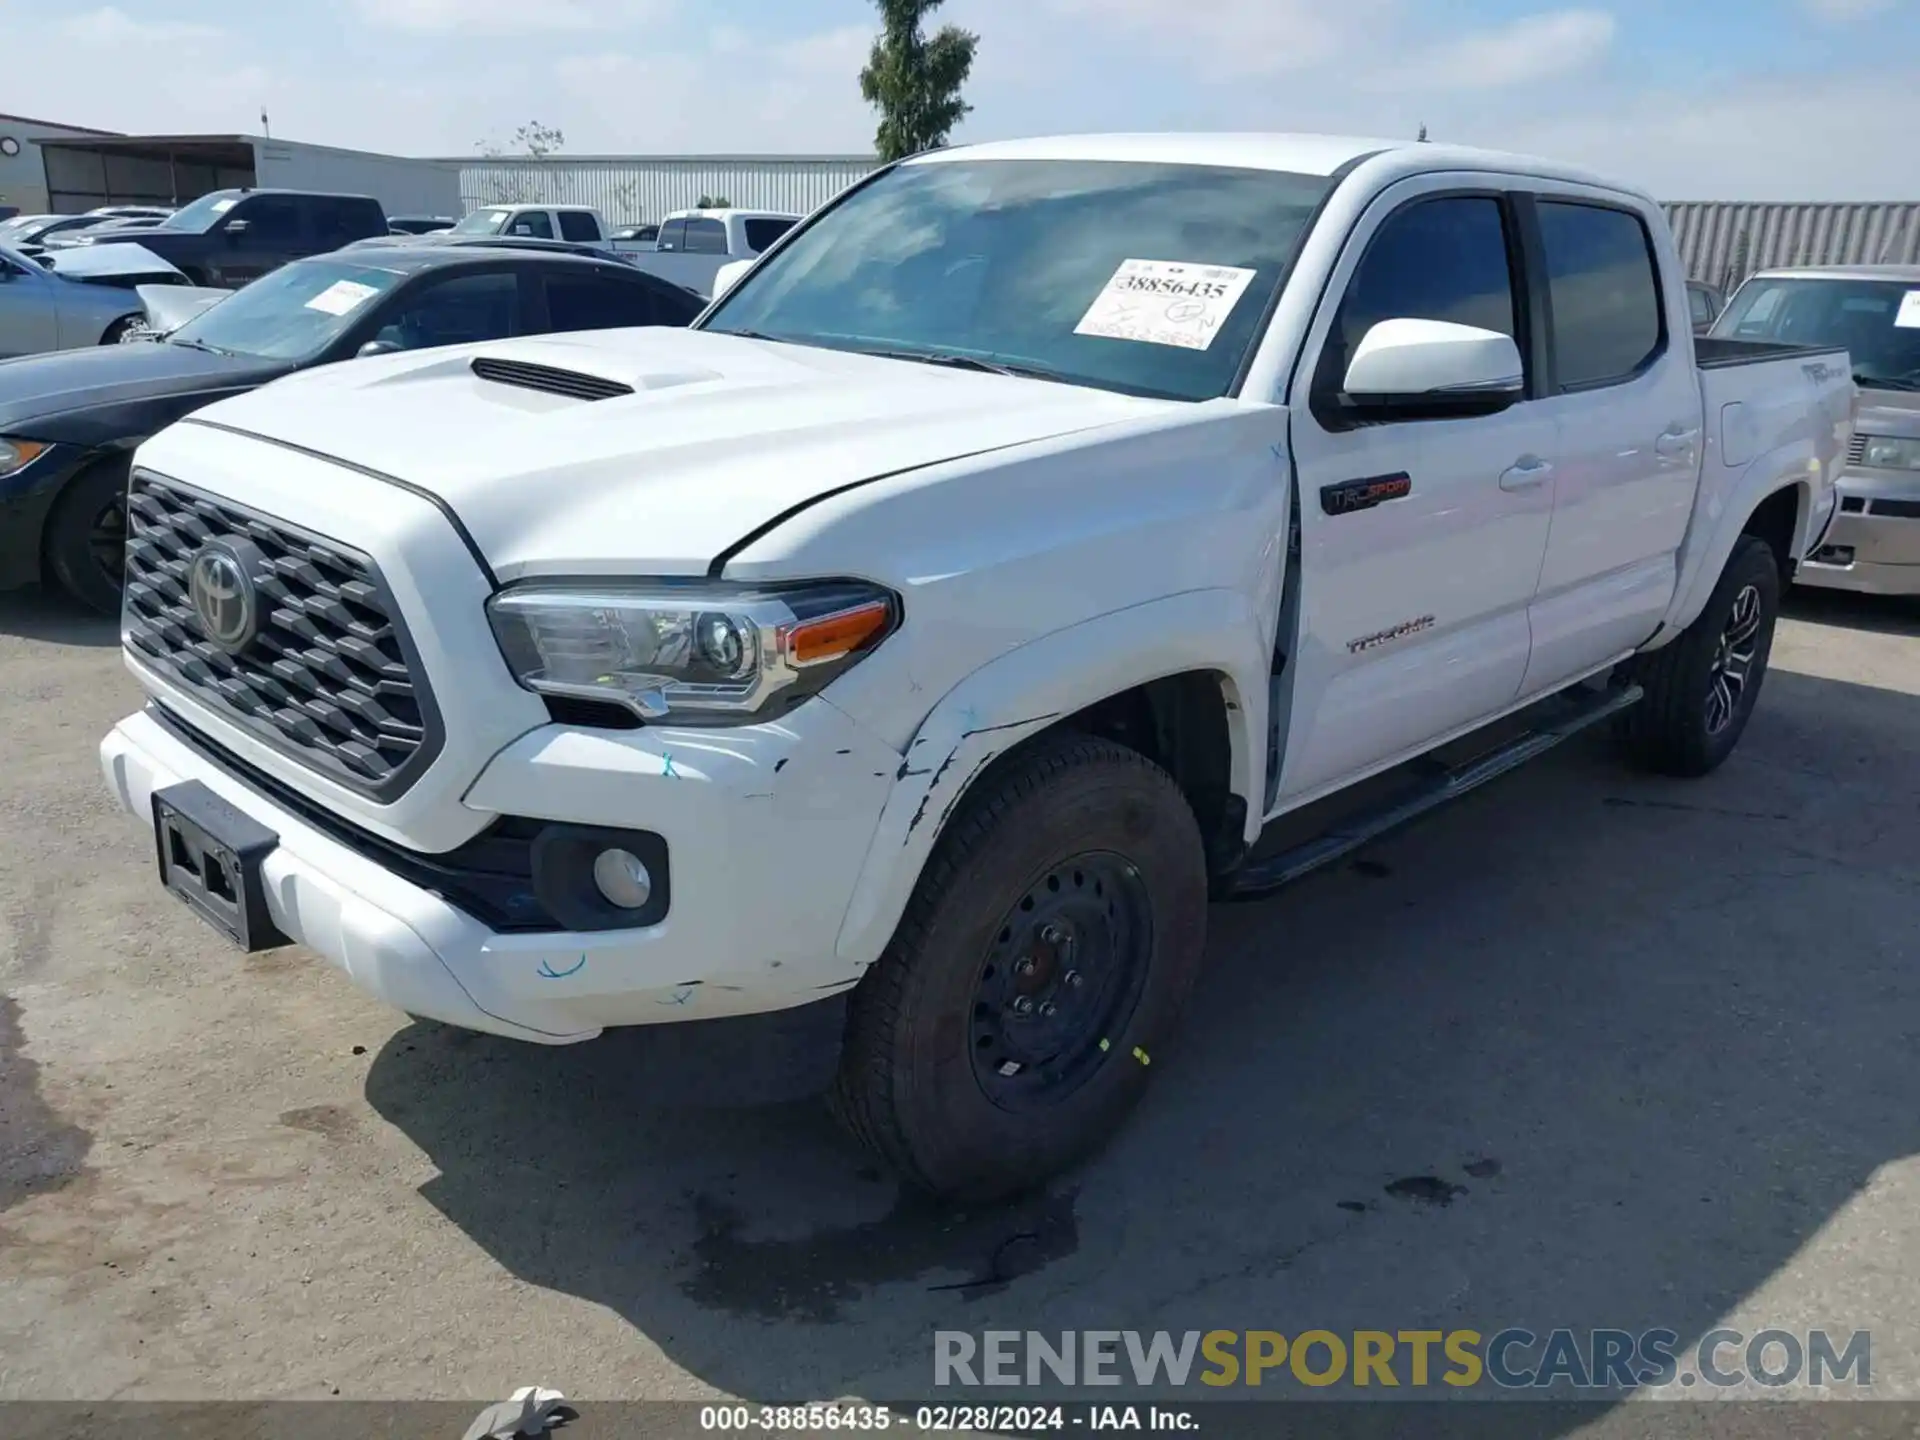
[666, 766]
[547, 972]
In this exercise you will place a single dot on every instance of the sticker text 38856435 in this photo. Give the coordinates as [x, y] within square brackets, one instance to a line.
[1165, 302]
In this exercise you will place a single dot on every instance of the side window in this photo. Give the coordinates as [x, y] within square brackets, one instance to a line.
[672, 236]
[578, 225]
[455, 311]
[533, 223]
[1439, 259]
[1699, 306]
[271, 219]
[706, 237]
[762, 233]
[598, 302]
[1604, 292]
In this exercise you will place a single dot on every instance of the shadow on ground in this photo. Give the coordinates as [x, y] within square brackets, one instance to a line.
[1591, 1049]
[34, 614]
[1883, 614]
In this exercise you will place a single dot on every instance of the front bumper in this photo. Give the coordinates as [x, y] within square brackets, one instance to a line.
[1873, 544]
[767, 827]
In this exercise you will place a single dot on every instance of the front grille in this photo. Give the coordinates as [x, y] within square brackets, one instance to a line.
[1857, 451]
[329, 676]
[547, 378]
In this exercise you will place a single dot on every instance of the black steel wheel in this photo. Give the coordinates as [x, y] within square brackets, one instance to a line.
[1061, 978]
[86, 536]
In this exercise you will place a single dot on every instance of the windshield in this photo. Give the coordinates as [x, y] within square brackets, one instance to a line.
[200, 216]
[291, 314]
[1877, 320]
[1149, 279]
[482, 222]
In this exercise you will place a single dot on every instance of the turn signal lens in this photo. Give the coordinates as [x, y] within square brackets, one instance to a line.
[834, 637]
[18, 454]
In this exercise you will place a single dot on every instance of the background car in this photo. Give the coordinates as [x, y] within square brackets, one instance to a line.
[229, 237]
[69, 423]
[41, 309]
[418, 224]
[91, 234]
[636, 234]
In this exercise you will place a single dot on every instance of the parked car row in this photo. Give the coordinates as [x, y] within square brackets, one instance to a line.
[1009, 560]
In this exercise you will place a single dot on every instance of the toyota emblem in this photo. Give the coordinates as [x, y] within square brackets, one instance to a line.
[220, 589]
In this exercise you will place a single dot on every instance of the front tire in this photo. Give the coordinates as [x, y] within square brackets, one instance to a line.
[86, 537]
[1043, 959]
[127, 330]
[1702, 687]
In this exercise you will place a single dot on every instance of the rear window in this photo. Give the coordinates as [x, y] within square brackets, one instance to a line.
[706, 237]
[762, 233]
[578, 225]
[1604, 291]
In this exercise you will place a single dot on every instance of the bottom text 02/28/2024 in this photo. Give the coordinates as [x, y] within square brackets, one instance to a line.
[945, 1419]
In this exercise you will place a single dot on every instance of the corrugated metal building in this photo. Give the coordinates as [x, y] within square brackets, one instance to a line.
[1723, 242]
[23, 170]
[630, 189]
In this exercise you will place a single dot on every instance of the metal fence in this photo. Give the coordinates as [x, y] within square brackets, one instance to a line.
[1723, 242]
[637, 188]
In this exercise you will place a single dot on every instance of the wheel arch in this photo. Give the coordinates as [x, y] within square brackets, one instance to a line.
[1772, 499]
[1181, 679]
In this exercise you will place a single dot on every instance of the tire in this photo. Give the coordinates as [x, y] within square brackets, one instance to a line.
[1075, 853]
[126, 330]
[1697, 703]
[80, 555]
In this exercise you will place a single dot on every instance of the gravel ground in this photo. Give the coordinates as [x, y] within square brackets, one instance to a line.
[1653, 1045]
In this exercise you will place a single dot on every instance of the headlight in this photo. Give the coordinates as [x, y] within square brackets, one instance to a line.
[1885, 453]
[694, 652]
[16, 455]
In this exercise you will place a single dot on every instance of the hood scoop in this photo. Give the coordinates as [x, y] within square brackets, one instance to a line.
[549, 379]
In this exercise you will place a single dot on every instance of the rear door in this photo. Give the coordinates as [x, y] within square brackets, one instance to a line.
[1625, 401]
[1413, 610]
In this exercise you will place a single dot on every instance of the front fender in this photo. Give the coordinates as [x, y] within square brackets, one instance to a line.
[1022, 692]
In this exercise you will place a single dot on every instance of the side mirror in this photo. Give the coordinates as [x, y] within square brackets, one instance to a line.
[1433, 369]
[376, 347]
[235, 227]
[728, 275]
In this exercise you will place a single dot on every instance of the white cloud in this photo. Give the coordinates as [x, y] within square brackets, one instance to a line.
[1843, 10]
[1536, 47]
[503, 17]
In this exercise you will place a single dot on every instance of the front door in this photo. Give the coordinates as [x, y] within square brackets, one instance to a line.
[1413, 607]
[260, 234]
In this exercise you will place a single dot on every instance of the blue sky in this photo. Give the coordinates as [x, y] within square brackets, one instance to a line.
[1698, 99]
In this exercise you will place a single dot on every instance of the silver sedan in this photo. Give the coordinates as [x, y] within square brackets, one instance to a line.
[41, 309]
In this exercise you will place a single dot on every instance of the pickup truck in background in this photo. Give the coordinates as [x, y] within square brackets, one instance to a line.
[1048, 537]
[576, 224]
[228, 238]
[694, 246]
[1873, 545]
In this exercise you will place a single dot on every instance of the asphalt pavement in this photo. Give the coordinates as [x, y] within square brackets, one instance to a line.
[1588, 1050]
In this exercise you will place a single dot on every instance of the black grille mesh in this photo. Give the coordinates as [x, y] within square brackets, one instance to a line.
[327, 678]
[1857, 451]
[553, 381]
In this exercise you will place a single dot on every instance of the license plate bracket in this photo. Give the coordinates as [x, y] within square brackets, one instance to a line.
[210, 854]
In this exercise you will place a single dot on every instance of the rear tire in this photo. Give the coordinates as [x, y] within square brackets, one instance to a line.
[1045, 956]
[1702, 687]
[85, 544]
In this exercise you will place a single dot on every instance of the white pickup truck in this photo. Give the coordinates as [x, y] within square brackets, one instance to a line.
[695, 246]
[934, 628]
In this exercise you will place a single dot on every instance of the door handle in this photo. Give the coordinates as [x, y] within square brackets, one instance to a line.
[1526, 474]
[1675, 444]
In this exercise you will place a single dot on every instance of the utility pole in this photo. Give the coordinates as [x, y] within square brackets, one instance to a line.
[264, 128]
[1422, 137]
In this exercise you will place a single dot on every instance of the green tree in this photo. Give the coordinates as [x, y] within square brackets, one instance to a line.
[713, 202]
[913, 81]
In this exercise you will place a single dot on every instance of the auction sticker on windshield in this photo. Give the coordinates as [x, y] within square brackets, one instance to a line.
[341, 297]
[1165, 302]
[1909, 316]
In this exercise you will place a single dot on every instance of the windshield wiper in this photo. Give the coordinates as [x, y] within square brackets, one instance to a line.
[198, 345]
[954, 361]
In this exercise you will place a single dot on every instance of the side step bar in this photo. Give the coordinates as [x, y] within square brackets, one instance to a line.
[1263, 877]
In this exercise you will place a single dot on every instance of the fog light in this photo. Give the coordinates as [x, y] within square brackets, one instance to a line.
[622, 879]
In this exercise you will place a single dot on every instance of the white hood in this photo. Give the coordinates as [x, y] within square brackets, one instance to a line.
[721, 436]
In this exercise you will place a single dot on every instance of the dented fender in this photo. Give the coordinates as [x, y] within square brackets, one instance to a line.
[1036, 685]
